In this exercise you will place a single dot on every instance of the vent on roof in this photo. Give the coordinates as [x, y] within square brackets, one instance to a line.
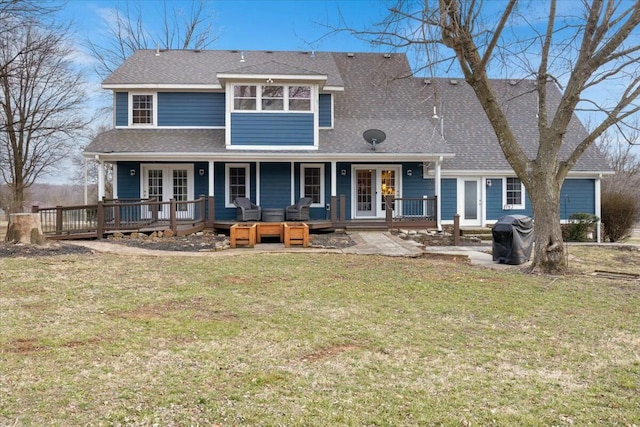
[268, 51]
[427, 81]
[386, 55]
[453, 82]
[513, 82]
[351, 54]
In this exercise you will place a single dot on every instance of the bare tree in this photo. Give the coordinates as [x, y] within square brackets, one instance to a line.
[590, 45]
[624, 161]
[86, 171]
[129, 29]
[41, 105]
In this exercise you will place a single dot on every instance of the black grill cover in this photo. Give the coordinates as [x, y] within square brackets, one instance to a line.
[512, 239]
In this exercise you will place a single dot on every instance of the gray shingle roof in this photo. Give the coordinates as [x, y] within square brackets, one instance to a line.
[188, 67]
[470, 135]
[379, 92]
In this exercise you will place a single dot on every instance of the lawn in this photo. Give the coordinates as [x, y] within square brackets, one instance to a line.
[314, 340]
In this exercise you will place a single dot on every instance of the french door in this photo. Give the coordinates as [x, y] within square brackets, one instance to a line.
[164, 183]
[371, 184]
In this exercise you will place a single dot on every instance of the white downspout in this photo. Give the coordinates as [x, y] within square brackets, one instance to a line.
[438, 190]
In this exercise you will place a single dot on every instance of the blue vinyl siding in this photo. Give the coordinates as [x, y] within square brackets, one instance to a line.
[222, 212]
[128, 186]
[494, 208]
[122, 108]
[343, 186]
[581, 197]
[288, 129]
[191, 109]
[275, 185]
[415, 185]
[201, 182]
[324, 113]
[449, 202]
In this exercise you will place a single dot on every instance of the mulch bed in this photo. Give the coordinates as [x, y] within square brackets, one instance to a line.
[199, 242]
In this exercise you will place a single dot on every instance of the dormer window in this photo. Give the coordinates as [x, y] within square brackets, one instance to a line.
[271, 97]
[142, 109]
[244, 97]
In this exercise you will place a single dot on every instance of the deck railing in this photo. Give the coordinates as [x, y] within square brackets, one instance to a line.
[122, 215]
[411, 211]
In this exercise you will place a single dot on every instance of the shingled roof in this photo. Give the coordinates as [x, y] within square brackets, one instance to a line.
[469, 133]
[201, 67]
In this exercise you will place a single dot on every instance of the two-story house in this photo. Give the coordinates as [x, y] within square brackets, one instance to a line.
[278, 126]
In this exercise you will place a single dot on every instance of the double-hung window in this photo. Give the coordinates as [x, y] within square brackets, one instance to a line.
[237, 179]
[312, 183]
[142, 109]
[270, 97]
[513, 194]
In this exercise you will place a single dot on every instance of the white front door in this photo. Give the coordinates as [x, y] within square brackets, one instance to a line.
[470, 201]
[167, 182]
[371, 184]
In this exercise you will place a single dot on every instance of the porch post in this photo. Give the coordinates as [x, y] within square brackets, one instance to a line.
[438, 188]
[257, 184]
[100, 178]
[334, 178]
[598, 208]
[86, 183]
[293, 183]
[211, 179]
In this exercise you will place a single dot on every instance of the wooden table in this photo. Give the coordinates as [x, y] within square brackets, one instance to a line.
[270, 229]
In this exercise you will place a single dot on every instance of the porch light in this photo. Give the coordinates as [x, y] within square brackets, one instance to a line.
[409, 172]
[132, 172]
[343, 172]
[201, 172]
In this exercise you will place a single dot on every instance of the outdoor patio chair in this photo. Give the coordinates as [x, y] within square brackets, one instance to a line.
[299, 211]
[246, 209]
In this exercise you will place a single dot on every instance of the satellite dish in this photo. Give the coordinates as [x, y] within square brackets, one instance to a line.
[374, 136]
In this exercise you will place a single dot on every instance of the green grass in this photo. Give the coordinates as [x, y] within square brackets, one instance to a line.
[314, 340]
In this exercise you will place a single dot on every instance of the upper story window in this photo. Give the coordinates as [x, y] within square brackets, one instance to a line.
[244, 97]
[271, 98]
[513, 195]
[142, 109]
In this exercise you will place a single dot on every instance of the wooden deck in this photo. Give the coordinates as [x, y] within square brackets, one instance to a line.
[187, 217]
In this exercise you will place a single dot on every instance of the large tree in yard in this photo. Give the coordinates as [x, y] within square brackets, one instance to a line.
[41, 103]
[589, 48]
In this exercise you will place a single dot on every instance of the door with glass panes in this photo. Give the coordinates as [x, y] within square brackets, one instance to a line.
[164, 183]
[372, 184]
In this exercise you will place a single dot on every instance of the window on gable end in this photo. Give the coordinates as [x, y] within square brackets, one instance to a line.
[513, 194]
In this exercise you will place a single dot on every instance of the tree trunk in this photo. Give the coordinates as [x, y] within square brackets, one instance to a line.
[549, 250]
[25, 228]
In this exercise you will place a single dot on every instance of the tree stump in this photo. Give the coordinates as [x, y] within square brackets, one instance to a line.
[25, 228]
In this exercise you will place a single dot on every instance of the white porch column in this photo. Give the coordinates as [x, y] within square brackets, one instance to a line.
[598, 202]
[114, 178]
[293, 183]
[334, 178]
[86, 183]
[211, 179]
[438, 189]
[257, 183]
[100, 178]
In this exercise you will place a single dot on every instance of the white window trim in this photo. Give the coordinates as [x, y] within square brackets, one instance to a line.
[506, 206]
[322, 181]
[285, 98]
[227, 181]
[154, 116]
